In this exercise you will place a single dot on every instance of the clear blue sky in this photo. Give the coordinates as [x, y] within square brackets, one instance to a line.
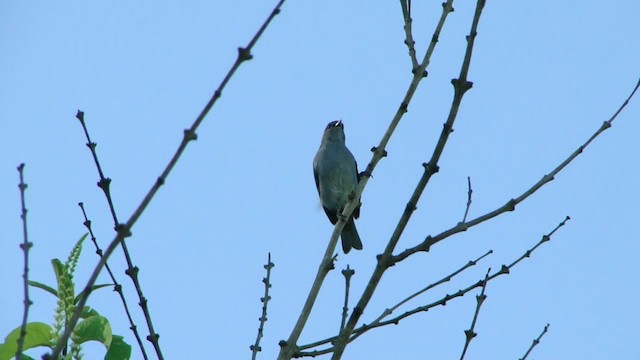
[546, 75]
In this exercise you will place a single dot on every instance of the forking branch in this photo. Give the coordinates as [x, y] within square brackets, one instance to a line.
[504, 270]
[461, 85]
[511, 204]
[390, 310]
[117, 287]
[289, 347]
[124, 230]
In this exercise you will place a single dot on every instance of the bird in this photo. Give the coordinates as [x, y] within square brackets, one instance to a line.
[336, 173]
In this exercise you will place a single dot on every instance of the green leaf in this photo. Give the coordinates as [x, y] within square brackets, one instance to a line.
[118, 350]
[94, 287]
[87, 312]
[25, 357]
[44, 287]
[96, 328]
[38, 334]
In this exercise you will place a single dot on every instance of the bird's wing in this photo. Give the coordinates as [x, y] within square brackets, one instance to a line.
[315, 176]
[331, 214]
[356, 212]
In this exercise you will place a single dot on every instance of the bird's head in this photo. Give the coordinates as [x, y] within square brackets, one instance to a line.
[334, 132]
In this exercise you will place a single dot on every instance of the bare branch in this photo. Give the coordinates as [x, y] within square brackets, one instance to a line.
[117, 287]
[25, 246]
[288, 348]
[461, 85]
[536, 341]
[124, 230]
[431, 286]
[389, 311]
[408, 33]
[347, 273]
[132, 271]
[505, 269]
[470, 333]
[469, 193]
[511, 204]
[255, 348]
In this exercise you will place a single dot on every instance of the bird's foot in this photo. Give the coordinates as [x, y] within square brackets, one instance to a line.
[364, 173]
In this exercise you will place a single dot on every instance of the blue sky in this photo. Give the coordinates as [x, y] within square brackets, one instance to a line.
[546, 75]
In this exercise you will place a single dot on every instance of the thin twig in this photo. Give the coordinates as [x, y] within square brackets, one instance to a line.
[117, 287]
[389, 311]
[461, 85]
[511, 204]
[431, 286]
[132, 271]
[255, 348]
[470, 333]
[289, 347]
[25, 246]
[469, 193]
[536, 341]
[408, 33]
[124, 230]
[347, 273]
[504, 270]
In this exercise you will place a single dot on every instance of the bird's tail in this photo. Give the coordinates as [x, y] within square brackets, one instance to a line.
[350, 237]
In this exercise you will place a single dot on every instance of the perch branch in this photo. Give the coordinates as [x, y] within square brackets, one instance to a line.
[289, 347]
[461, 85]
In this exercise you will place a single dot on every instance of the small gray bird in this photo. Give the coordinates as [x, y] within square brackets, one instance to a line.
[336, 174]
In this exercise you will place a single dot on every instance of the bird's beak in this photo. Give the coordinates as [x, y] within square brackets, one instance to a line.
[338, 123]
